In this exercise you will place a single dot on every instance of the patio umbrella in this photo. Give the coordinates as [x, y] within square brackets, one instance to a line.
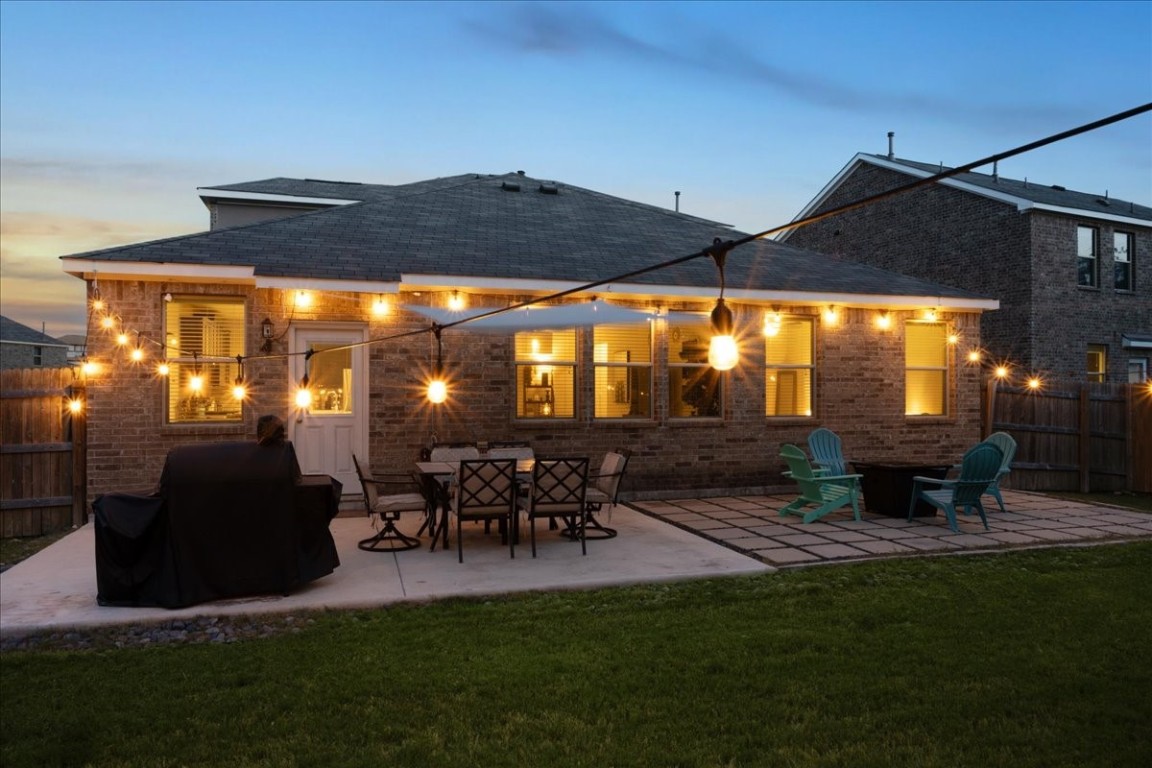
[536, 318]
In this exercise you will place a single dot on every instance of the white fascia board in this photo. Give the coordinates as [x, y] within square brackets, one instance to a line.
[51, 344]
[655, 292]
[266, 197]
[320, 284]
[154, 271]
[1083, 214]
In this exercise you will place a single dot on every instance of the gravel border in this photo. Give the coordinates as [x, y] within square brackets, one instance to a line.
[200, 629]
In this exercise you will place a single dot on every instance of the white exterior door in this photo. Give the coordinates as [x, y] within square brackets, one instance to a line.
[328, 432]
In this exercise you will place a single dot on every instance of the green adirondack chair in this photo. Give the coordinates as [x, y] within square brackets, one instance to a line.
[826, 493]
[978, 469]
[1007, 445]
[827, 452]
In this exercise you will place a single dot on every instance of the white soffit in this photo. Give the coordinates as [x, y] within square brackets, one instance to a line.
[150, 270]
[266, 197]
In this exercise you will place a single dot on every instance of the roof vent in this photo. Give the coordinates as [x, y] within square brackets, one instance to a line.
[1059, 188]
[549, 189]
[510, 186]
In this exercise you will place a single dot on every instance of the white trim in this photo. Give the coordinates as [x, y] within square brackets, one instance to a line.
[322, 284]
[53, 345]
[156, 271]
[1128, 342]
[266, 197]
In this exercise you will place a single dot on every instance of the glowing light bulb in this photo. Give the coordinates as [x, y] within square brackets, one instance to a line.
[953, 338]
[136, 354]
[98, 305]
[90, 368]
[303, 398]
[974, 356]
[107, 322]
[1035, 383]
[162, 369]
[196, 383]
[75, 405]
[303, 299]
[883, 320]
[437, 391]
[239, 392]
[456, 301]
[122, 339]
[723, 353]
[380, 307]
[1001, 371]
[772, 322]
[830, 316]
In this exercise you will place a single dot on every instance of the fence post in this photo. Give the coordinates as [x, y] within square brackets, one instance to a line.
[1085, 440]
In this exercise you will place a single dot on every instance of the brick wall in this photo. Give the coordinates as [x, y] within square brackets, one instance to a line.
[859, 391]
[1025, 260]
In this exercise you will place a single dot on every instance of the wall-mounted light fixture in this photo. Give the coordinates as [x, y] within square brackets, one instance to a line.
[266, 332]
[830, 316]
[456, 301]
[303, 299]
[930, 315]
[883, 320]
[380, 306]
[772, 321]
[723, 353]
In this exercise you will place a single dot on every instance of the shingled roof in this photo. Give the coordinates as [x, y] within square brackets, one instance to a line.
[501, 227]
[12, 331]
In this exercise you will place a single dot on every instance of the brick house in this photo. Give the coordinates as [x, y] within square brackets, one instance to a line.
[335, 281]
[1072, 270]
[24, 347]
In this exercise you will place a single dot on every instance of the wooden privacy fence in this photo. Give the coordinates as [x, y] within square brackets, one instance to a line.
[43, 467]
[1076, 436]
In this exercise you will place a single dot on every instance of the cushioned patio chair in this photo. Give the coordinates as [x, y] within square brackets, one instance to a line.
[604, 490]
[388, 507]
[979, 468]
[558, 491]
[826, 493]
[486, 490]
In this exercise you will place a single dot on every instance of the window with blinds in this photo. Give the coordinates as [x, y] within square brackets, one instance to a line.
[789, 367]
[925, 369]
[546, 374]
[695, 389]
[203, 336]
[622, 371]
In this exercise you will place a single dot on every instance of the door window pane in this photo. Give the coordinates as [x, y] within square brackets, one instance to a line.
[330, 378]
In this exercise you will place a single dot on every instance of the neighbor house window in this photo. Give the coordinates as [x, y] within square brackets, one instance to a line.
[203, 336]
[37, 355]
[1122, 247]
[1097, 362]
[1086, 257]
[925, 369]
[622, 371]
[789, 366]
[546, 375]
[695, 389]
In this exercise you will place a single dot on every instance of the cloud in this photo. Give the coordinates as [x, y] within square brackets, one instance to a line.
[570, 30]
[26, 170]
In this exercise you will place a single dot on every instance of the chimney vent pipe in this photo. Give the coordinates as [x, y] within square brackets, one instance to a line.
[677, 201]
[891, 150]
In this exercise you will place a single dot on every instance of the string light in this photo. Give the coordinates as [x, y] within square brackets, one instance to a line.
[438, 387]
[239, 390]
[723, 353]
[75, 405]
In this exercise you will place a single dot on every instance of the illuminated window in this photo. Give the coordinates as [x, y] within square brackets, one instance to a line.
[203, 336]
[1097, 362]
[330, 378]
[546, 375]
[695, 389]
[789, 368]
[1122, 248]
[622, 371]
[925, 369]
[1086, 273]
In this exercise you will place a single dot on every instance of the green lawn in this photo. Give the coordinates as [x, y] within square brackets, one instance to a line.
[1033, 658]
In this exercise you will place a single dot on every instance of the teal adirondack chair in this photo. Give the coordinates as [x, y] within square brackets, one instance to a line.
[827, 452]
[979, 468]
[826, 493]
[1007, 446]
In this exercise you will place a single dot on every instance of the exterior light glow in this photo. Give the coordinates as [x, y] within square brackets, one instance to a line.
[98, 305]
[162, 369]
[380, 306]
[238, 390]
[303, 398]
[107, 322]
[196, 383]
[456, 301]
[930, 315]
[1035, 383]
[723, 354]
[830, 315]
[1001, 371]
[437, 391]
[953, 339]
[136, 354]
[974, 356]
[75, 405]
[772, 322]
[90, 368]
[303, 299]
[883, 321]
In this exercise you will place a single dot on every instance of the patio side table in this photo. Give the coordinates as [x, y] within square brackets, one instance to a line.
[887, 486]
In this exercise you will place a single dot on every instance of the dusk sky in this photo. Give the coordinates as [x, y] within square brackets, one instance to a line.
[112, 114]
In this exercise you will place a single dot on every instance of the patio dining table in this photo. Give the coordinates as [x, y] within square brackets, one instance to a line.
[439, 475]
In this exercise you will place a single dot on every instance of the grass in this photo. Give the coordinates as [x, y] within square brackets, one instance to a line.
[1026, 658]
[1141, 502]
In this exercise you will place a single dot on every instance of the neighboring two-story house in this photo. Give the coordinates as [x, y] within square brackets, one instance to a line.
[1072, 270]
[24, 347]
[330, 293]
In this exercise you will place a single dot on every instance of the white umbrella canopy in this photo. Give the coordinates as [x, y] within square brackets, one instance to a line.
[535, 318]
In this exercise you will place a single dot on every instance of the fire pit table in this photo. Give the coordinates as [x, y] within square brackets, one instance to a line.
[887, 486]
